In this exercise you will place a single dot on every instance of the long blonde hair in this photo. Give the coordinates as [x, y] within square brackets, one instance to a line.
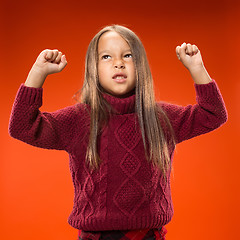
[148, 111]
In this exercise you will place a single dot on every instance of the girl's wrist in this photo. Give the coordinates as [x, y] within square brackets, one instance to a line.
[200, 75]
[196, 69]
[35, 78]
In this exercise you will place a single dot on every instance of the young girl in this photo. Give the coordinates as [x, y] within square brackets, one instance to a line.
[119, 140]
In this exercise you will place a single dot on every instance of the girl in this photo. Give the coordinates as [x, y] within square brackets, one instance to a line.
[119, 140]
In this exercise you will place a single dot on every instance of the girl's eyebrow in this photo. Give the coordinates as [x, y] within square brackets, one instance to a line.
[108, 51]
[104, 51]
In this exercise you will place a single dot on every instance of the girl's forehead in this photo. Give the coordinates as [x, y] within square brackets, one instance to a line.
[112, 39]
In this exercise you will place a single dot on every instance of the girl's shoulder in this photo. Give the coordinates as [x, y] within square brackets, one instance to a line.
[167, 106]
[75, 110]
[172, 110]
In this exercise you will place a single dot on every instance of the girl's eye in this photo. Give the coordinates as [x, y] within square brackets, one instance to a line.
[105, 57]
[129, 55]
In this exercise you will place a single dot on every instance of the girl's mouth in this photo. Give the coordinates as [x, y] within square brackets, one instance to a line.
[119, 77]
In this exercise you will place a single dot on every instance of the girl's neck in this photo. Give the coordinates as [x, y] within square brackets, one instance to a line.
[123, 105]
[132, 92]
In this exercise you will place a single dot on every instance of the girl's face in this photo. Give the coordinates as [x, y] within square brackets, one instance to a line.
[116, 69]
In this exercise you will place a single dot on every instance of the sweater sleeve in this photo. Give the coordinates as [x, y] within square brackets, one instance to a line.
[27, 123]
[206, 115]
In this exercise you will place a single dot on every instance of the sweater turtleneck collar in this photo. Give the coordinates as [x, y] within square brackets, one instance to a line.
[121, 105]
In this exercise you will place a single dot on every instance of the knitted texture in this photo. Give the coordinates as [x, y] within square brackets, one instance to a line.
[127, 192]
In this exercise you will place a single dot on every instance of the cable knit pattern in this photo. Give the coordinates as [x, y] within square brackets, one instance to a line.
[127, 192]
[131, 190]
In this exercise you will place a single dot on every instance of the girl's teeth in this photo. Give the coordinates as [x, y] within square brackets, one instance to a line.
[119, 77]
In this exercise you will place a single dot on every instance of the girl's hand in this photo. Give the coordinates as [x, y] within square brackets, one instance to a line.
[190, 56]
[48, 62]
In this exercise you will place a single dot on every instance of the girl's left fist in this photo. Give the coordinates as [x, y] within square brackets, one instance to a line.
[189, 55]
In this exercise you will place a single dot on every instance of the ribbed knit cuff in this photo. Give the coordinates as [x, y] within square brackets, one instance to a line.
[29, 95]
[206, 90]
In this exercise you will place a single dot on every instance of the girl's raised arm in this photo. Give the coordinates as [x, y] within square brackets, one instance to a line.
[209, 112]
[43, 129]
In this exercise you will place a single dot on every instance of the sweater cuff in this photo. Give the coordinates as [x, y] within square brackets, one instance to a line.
[30, 95]
[206, 90]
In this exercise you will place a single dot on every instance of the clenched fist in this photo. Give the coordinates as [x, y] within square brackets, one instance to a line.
[48, 62]
[189, 55]
[191, 58]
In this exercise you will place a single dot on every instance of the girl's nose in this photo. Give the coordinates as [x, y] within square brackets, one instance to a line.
[119, 64]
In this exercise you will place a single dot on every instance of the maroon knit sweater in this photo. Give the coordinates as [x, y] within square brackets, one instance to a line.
[127, 192]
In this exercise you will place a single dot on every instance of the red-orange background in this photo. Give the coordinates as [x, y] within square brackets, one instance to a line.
[36, 189]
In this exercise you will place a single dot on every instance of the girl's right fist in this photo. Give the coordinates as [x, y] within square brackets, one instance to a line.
[49, 62]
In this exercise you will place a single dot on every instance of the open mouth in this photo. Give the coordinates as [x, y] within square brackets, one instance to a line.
[119, 77]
